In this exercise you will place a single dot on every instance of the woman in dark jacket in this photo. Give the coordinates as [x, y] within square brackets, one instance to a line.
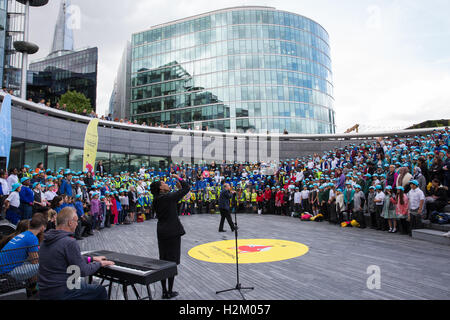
[169, 228]
[436, 170]
[100, 168]
[88, 180]
[423, 167]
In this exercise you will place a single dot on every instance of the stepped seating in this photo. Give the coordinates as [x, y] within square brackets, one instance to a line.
[431, 235]
[434, 232]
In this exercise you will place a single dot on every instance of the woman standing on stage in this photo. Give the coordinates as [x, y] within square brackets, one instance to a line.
[169, 227]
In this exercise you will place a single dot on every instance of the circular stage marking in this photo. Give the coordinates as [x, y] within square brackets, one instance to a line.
[249, 250]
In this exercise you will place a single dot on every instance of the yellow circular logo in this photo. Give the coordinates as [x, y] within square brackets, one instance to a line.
[249, 251]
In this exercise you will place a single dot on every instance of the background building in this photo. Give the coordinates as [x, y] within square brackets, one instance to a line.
[234, 69]
[56, 139]
[55, 75]
[3, 21]
[119, 104]
[14, 31]
[64, 68]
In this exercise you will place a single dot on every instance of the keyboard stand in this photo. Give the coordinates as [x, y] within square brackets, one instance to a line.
[124, 285]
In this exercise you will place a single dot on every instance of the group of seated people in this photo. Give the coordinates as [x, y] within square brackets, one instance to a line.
[45, 260]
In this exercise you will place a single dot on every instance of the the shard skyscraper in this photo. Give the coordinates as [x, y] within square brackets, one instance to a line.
[63, 34]
[65, 68]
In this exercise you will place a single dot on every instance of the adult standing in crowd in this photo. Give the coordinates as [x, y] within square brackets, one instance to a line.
[66, 184]
[132, 200]
[224, 207]
[416, 204]
[12, 178]
[418, 176]
[26, 198]
[169, 228]
[100, 168]
[4, 191]
[404, 178]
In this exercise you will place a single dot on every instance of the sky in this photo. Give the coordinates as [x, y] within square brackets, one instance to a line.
[390, 58]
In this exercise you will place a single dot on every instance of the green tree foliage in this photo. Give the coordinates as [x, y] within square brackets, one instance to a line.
[431, 124]
[75, 102]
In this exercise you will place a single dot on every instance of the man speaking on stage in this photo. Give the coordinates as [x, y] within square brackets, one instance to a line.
[224, 207]
[169, 228]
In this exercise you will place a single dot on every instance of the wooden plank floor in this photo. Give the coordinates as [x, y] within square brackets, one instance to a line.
[334, 268]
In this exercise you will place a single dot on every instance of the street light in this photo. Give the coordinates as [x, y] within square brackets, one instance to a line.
[24, 46]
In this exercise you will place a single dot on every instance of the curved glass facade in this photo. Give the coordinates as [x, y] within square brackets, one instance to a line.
[239, 68]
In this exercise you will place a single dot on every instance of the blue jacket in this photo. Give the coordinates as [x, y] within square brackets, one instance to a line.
[26, 195]
[119, 206]
[66, 188]
[79, 208]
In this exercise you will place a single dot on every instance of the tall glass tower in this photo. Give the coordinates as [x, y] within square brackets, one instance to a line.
[242, 68]
[64, 68]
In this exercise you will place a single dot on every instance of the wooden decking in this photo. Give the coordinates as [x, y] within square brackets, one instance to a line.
[334, 268]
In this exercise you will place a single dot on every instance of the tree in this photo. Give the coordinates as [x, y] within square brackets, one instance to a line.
[75, 102]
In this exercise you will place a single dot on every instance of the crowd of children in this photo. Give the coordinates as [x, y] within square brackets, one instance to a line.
[391, 184]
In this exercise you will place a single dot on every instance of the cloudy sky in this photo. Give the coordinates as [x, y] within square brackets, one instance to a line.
[391, 58]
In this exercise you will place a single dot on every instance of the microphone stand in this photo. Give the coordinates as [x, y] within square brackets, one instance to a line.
[238, 287]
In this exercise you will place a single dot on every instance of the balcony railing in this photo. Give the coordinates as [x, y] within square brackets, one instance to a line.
[68, 116]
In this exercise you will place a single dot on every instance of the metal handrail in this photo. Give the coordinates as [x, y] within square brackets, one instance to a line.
[68, 116]
[7, 262]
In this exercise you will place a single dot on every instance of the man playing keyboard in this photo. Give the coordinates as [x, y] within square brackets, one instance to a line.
[58, 252]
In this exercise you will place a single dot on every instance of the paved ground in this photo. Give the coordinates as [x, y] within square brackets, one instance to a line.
[334, 268]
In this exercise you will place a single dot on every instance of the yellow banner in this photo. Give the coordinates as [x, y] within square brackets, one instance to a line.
[90, 146]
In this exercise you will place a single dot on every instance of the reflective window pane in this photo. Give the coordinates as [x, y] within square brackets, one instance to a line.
[58, 157]
[34, 154]
[76, 159]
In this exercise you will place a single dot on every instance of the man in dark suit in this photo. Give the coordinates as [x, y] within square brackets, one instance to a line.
[100, 168]
[132, 199]
[169, 228]
[224, 207]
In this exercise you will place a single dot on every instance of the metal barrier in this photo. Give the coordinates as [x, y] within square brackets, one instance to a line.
[67, 116]
[15, 272]
[6, 228]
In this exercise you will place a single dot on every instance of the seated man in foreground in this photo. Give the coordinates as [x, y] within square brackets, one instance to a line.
[58, 252]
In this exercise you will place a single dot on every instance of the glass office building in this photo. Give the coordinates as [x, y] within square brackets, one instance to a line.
[243, 68]
[53, 76]
[64, 69]
[54, 157]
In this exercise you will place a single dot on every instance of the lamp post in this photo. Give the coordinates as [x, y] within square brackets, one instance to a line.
[24, 46]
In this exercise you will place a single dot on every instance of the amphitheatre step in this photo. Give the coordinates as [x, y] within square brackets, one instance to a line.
[431, 236]
[435, 226]
[14, 295]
